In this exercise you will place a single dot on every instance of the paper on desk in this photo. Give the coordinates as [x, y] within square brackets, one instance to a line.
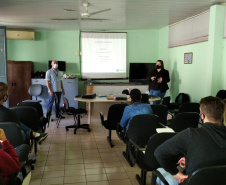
[161, 130]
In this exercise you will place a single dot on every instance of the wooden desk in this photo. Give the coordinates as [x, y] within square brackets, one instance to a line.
[97, 105]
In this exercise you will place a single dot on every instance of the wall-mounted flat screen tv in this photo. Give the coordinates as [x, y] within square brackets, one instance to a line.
[61, 65]
[138, 72]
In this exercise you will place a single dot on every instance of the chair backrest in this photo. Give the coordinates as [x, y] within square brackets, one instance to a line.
[189, 107]
[142, 127]
[221, 94]
[125, 91]
[209, 176]
[115, 113]
[66, 103]
[13, 133]
[36, 105]
[166, 101]
[28, 116]
[161, 111]
[35, 90]
[155, 141]
[184, 120]
[182, 98]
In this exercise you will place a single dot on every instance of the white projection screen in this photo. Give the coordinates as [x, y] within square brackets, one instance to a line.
[103, 55]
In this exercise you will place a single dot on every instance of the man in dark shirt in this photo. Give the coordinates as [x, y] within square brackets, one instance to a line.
[202, 147]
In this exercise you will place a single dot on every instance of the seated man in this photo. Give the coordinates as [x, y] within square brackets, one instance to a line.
[202, 147]
[11, 116]
[136, 108]
[9, 160]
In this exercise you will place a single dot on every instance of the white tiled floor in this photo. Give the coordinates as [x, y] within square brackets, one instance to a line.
[82, 159]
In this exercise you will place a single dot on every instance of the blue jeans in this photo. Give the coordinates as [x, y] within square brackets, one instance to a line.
[157, 93]
[57, 103]
[169, 178]
[25, 129]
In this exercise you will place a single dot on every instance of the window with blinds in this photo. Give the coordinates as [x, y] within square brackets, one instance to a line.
[190, 31]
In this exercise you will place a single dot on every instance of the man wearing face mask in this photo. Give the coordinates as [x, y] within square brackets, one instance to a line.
[158, 80]
[55, 87]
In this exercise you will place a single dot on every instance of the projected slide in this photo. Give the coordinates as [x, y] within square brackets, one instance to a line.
[103, 55]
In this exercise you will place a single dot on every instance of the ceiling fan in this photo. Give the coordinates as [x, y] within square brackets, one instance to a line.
[85, 16]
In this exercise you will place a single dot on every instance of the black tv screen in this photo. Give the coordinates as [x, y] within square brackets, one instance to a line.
[138, 72]
[61, 65]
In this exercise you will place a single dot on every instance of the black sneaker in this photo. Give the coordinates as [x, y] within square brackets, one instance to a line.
[42, 137]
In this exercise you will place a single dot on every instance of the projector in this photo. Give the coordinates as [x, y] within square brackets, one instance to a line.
[89, 96]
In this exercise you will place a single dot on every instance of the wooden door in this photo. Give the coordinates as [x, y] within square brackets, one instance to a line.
[19, 81]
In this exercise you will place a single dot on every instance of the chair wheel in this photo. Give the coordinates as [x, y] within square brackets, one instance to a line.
[89, 130]
[66, 129]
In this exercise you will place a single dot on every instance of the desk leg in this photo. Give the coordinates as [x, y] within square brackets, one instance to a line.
[89, 112]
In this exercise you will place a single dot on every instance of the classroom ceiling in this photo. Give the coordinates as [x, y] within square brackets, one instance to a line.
[124, 14]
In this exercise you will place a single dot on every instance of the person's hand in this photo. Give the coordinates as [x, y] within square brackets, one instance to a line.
[2, 135]
[63, 92]
[180, 177]
[160, 80]
[153, 78]
[182, 162]
[51, 93]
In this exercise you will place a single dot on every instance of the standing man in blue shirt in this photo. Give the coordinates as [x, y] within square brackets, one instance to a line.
[55, 87]
[136, 108]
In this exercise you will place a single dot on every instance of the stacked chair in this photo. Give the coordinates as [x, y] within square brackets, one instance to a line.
[114, 116]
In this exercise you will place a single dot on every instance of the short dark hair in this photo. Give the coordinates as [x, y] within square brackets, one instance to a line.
[3, 90]
[162, 63]
[135, 95]
[212, 107]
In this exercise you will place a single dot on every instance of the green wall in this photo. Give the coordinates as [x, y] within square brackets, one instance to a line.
[205, 76]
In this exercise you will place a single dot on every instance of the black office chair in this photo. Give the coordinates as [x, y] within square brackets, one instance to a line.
[180, 99]
[184, 120]
[161, 111]
[221, 94]
[29, 116]
[146, 161]
[166, 101]
[141, 128]
[189, 107]
[209, 176]
[66, 109]
[204, 176]
[115, 113]
[145, 98]
[35, 90]
[42, 120]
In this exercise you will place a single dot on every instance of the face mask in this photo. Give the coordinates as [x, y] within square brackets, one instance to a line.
[158, 67]
[55, 66]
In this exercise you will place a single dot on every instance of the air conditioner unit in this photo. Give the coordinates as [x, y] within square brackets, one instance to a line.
[20, 34]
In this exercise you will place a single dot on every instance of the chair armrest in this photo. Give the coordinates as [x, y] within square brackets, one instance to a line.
[155, 174]
[102, 118]
[121, 131]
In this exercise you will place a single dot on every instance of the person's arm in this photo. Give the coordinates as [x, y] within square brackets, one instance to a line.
[166, 77]
[166, 152]
[124, 120]
[49, 88]
[62, 87]
[9, 160]
[48, 83]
